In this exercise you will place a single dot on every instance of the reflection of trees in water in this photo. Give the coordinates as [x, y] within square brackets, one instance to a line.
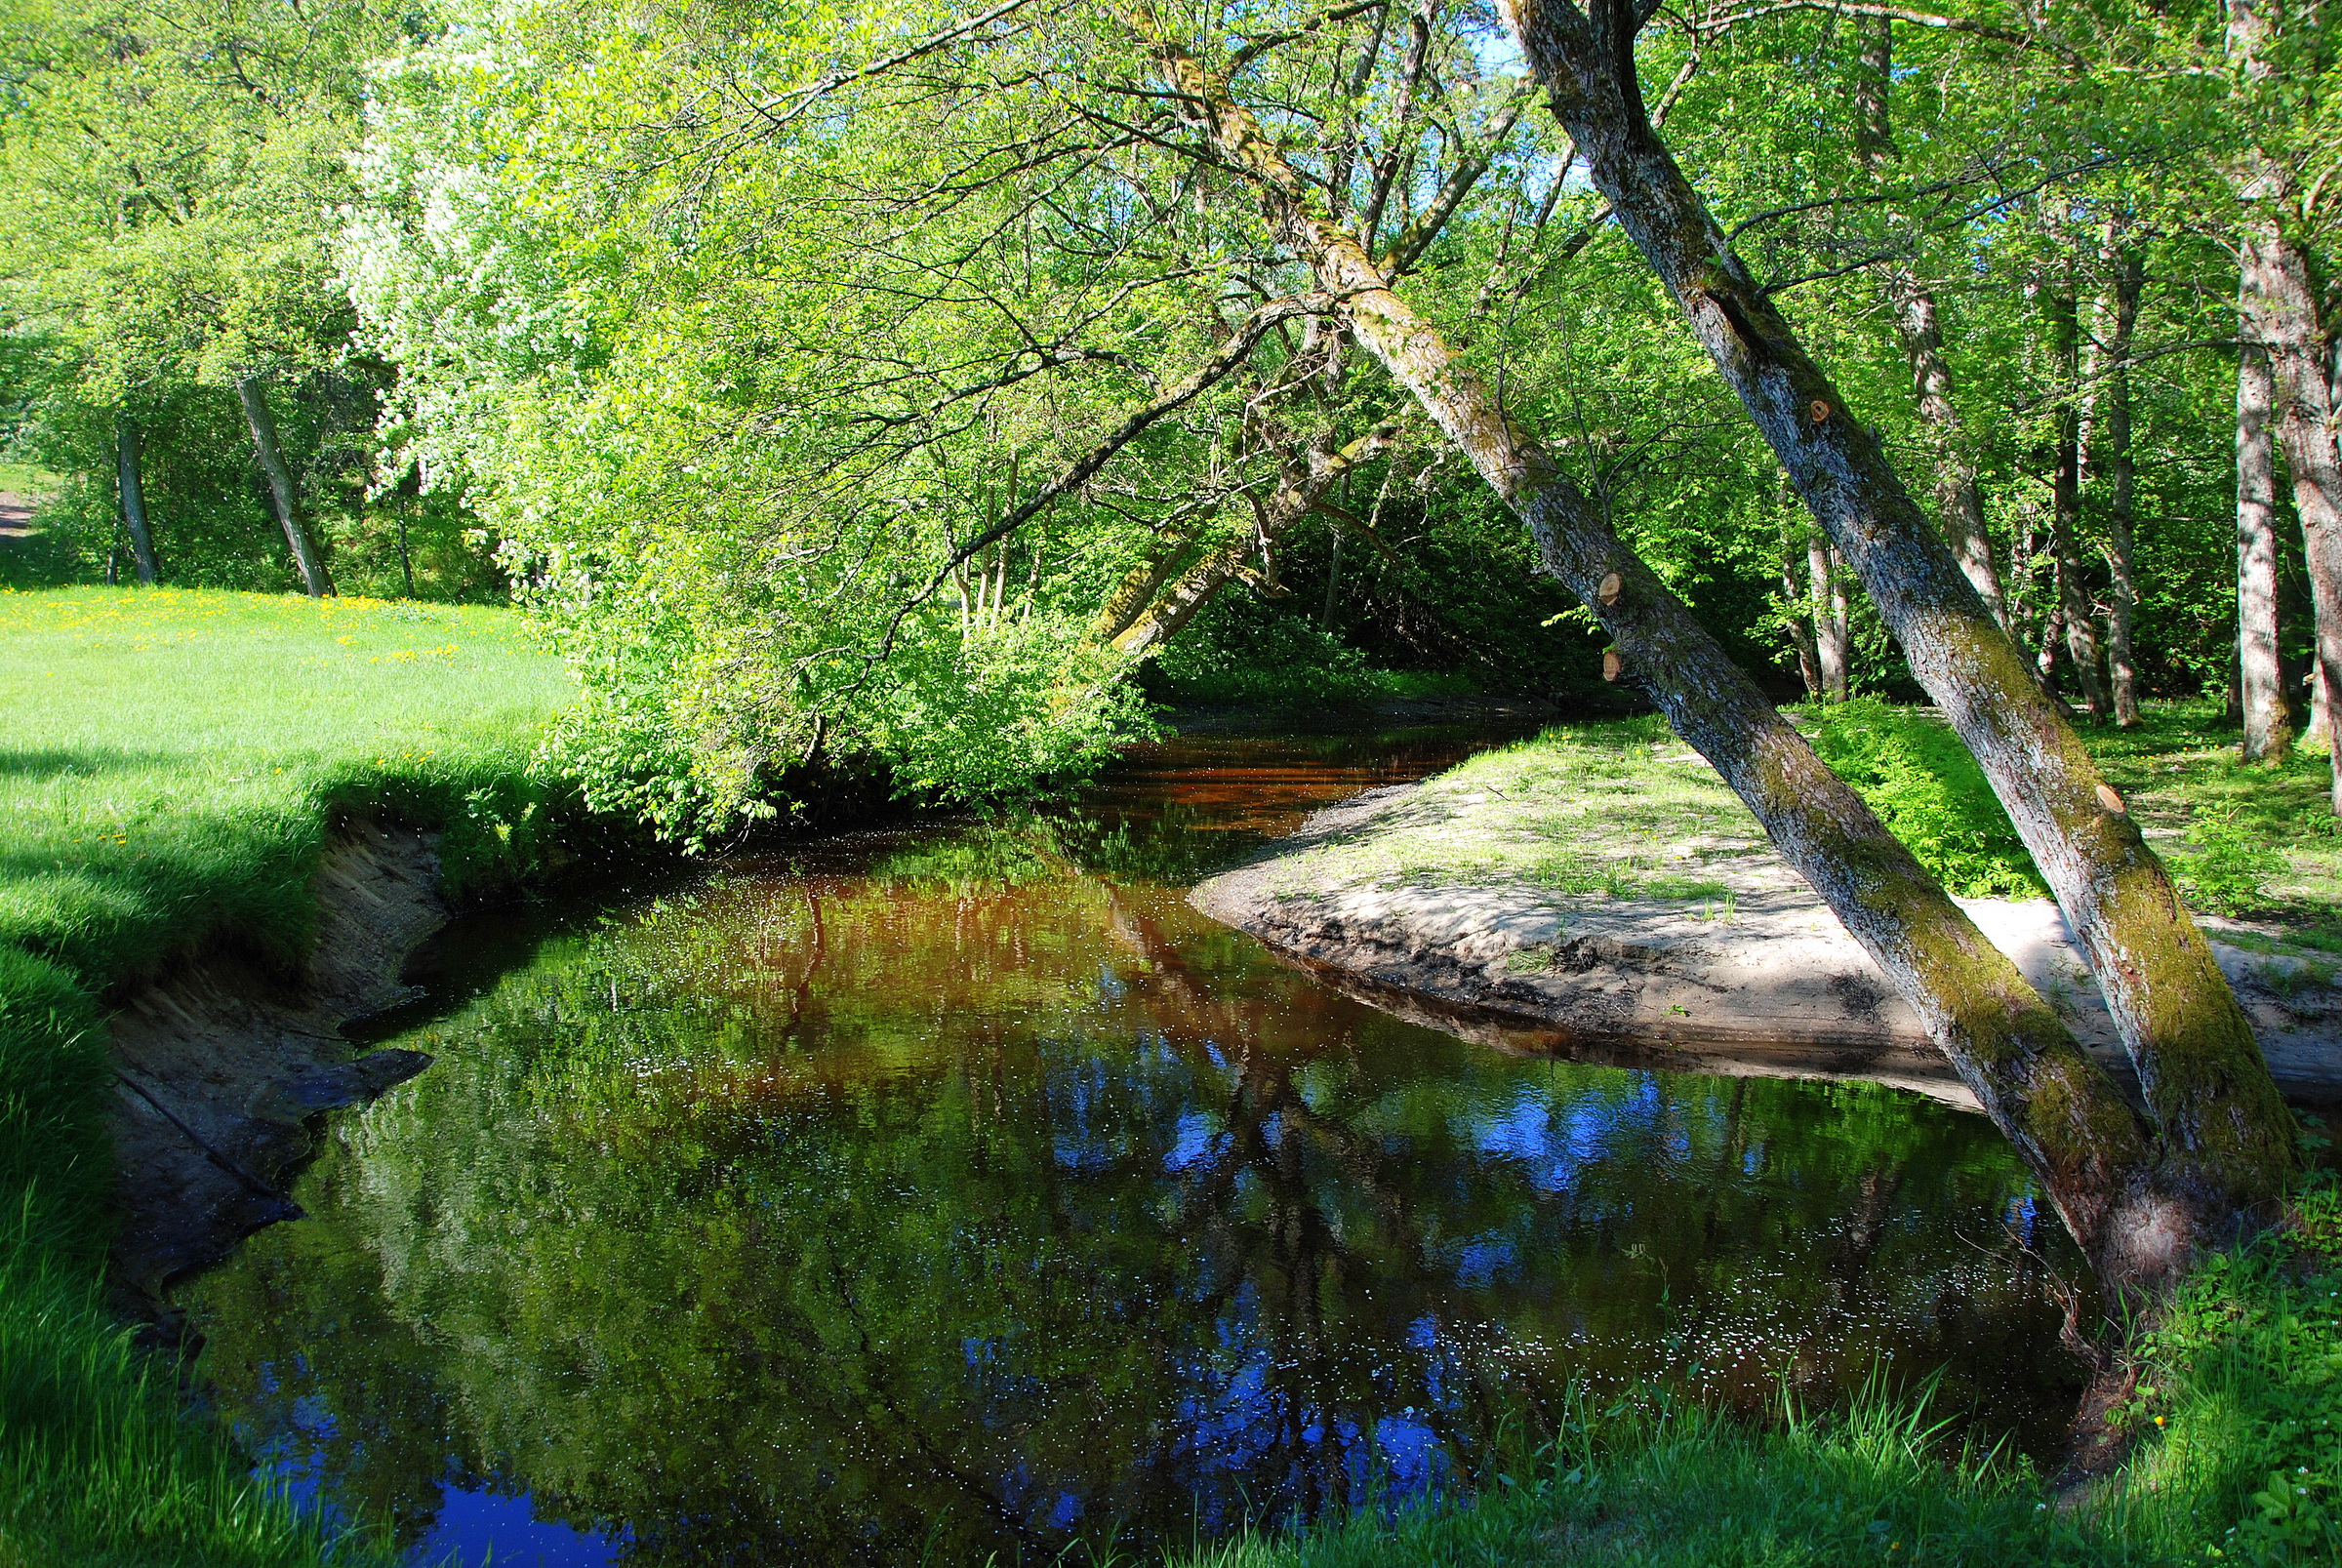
[838, 1220]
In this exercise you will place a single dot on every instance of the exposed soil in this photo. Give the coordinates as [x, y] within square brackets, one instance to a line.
[221, 1063]
[1761, 980]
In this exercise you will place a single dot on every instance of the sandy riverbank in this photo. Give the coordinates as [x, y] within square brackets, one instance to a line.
[1624, 907]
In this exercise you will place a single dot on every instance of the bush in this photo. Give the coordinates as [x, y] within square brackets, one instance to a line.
[1929, 792]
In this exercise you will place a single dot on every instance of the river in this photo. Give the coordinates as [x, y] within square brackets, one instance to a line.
[927, 1194]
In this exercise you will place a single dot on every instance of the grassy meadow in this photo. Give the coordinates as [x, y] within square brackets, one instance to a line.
[171, 764]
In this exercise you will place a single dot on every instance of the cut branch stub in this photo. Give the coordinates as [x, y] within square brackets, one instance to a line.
[2112, 801]
[1611, 588]
[1612, 665]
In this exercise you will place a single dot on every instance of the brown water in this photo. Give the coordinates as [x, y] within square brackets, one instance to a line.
[924, 1195]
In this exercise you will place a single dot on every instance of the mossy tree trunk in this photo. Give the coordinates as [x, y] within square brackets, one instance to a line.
[262, 423]
[2065, 1116]
[1958, 501]
[2199, 1065]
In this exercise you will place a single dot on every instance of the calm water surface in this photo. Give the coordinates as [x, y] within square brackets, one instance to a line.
[925, 1196]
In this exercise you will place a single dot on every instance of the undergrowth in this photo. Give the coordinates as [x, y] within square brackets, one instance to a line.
[1929, 792]
[172, 764]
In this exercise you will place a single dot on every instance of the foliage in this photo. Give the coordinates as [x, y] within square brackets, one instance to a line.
[173, 759]
[1928, 790]
[2230, 870]
[175, 172]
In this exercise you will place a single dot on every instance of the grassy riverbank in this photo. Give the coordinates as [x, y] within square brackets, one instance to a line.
[172, 764]
[2237, 1416]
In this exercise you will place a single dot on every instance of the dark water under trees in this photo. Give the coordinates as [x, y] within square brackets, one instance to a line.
[915, 1196]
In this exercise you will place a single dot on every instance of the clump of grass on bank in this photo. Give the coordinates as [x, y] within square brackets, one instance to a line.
[172, 763]
[2239, 1416]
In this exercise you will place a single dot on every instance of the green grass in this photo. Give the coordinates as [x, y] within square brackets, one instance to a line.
[1618, 809]
[2259, 843]
[172, 763]
[23, 479]
[2239, 1416]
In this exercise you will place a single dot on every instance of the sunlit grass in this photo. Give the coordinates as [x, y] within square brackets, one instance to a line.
[171, 765]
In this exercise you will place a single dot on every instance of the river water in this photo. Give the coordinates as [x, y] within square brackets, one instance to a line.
[925, 1196]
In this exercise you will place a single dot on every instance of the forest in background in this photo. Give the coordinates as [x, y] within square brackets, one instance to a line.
[873, 387]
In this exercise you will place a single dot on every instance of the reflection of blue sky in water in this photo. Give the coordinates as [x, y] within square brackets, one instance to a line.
[481, 1527]
[825, 1216]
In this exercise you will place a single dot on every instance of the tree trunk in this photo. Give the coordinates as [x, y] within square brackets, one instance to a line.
[2283, 304]
[134, 498]
[2259, 685]
[2121, 480]
[2065, 500]
[1959, 500]
[1959, 503]
[1826, 584]
[1801, 629]
[314, 576]
[2063, 1115]
[2199, 1065]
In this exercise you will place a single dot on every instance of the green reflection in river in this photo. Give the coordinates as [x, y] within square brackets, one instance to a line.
[943, 1197]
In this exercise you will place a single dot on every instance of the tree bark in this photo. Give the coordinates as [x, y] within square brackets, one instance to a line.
[134, 498]
[1825, 586]
[2062, 1113]
[2199, 1065]
[2065, 497]
[2122, 478]
[2267, 728]
[2284, 318]
[1799, 626]
[1959, 500]
[313, 577]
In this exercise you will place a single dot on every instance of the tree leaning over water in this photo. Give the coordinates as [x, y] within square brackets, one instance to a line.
[2063, 1115]
[2198, 1064]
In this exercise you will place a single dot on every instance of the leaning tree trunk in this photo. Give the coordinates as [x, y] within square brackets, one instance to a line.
[2199, 1065]
[1959, 503]
[1959, 499]
[134, 500]
[2283, 316]
[2061, 1112]
[314, 576]
[2065, 500]
[2122, 482]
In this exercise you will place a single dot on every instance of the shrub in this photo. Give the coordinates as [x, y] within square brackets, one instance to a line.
[2229, 874]
[1929, 792]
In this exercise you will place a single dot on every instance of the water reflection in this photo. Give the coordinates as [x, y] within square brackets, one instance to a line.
[920, 1197]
